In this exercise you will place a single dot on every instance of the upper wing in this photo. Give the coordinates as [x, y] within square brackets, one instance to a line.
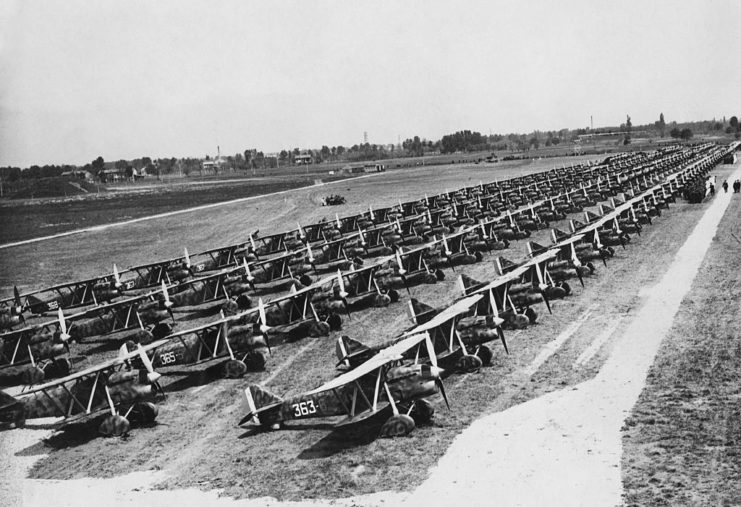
[387, 355]
[452, 311]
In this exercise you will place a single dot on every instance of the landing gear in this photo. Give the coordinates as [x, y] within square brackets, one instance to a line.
[143, 413]
[32, 375]
[255, 360]
[422, 412]
[114, 426]
[484, 354]
[468, 363]
[397, 426]
[235, 368]
[59, 367]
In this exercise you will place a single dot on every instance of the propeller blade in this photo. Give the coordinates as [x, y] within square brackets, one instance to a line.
[500, 333]
[547, 303]
[440, 384]
[579, 275]
[152, 375]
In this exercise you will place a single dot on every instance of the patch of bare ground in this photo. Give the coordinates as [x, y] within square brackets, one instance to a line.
[197, 443]
[682, 441]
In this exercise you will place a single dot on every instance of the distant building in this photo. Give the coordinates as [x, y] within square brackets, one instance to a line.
[303, 159]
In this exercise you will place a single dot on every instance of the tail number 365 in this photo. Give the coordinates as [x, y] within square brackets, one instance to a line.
[304, 408]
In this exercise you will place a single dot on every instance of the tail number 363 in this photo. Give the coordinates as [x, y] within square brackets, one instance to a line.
[304, 408]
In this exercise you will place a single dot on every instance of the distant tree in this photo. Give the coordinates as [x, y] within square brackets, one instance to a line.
[326, 152]
[675, 133]
[628, 124]
[283, 155]
[129, 171]
[734, 122]
[98, 166]
[686, 134]
[340, 150]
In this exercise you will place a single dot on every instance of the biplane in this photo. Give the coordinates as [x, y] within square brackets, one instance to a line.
[458, 334]
[382, 387]
[113, 387]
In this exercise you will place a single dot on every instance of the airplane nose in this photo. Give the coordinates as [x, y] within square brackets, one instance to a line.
[497, 321]
[436, 372]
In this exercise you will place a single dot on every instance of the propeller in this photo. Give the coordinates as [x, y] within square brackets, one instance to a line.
[188, 265]
[343, 292]
[225, 334]
[64, 336]
[497, 321]
[447, 252]
[370, 212]
[363, 242]
[253, 248]
[301, 233]
[434, 369]
[248, 275]
[152, 376]
[598, 244]
[542, 286]
[402, 271]
[264, 328]
[168, 304]
[312, 259]
[577, 264]
[116, 278]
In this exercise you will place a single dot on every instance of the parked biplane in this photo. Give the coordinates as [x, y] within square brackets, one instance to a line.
[114, 387]
[381, 387]
[458, 334]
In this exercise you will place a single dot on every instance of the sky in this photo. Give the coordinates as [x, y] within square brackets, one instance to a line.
[125, 79]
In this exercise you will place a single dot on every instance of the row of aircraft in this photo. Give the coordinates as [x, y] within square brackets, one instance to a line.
[404, 371]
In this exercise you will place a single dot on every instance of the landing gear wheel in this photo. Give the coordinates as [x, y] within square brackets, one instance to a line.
[143, 336]
[234, 368]
[394, 295]
[144, 413]
[484, 354]
[469, 363]
[114, 426]
[422, 412]
[397, 426]
[32, 375]
[59, 367]
[230, 307]
[255, 361]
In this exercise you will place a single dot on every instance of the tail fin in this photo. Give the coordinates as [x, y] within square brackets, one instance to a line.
[11, 409]
[468, 285]
[260, 400]
[348, 351]
[420, 312]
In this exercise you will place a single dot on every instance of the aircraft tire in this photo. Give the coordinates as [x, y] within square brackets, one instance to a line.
[397, 426]
[60, 367]
[256, 360]
[469, 363]
[144, 413]
[422, 412]
[234, 368]
[230, 307]
[114, 426]
[485, 354]
[32, 375]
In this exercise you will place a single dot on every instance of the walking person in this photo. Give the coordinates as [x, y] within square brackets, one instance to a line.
[736, 186]
[712, 189]
[725, 186]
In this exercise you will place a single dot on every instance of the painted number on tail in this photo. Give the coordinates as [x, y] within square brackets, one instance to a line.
[304, 408]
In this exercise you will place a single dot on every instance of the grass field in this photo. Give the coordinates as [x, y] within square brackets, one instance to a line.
[198, 444]
[682, 442]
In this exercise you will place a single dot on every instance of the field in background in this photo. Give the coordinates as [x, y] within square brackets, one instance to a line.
[93, 253]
